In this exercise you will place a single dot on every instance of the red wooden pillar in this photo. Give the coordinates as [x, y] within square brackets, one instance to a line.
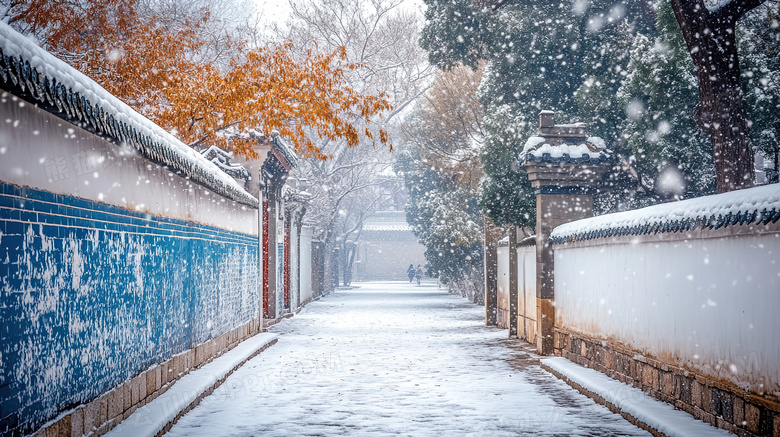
[266, 253]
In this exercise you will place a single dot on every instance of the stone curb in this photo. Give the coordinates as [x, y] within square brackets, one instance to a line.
[600, 400]
[158, 417]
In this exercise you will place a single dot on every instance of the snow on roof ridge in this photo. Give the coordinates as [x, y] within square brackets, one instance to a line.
[221, 158]
[286, 150]
[757, 205]
[387, 227]
[538, 149]
[74, 96]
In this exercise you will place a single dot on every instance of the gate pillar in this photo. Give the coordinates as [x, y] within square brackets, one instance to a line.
[565, 167]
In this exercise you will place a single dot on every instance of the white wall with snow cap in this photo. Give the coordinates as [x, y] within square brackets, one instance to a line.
[705, 300]
[758, 205]
[42, 151]
[305, 267]
[48, 80]
[502, 283]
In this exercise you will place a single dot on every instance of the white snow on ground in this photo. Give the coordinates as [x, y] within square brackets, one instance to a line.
[152, 418]
[396, 359]
[659, 415]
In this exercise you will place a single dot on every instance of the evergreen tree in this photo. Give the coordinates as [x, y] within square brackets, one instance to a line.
[759, 43]
[505, 194]
[671, 154]
[443, 215]
[539, 55]
[438, 160]
[595, 98]
[710, 32]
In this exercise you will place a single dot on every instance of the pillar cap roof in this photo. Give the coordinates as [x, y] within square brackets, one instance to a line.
[563, 143]
[555, 150]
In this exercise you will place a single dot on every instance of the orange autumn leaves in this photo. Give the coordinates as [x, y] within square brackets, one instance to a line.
[153, 64]
[273, 90]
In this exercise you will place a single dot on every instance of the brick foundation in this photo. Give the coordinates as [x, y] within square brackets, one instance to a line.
[107, 411]
[714, 402]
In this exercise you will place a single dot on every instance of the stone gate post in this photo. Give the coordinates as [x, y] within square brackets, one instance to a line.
[564, 166]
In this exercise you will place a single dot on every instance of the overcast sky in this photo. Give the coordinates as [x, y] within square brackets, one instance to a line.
[278, 10]
[273, 10]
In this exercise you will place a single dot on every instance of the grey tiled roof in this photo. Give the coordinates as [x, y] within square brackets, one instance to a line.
[753, 206]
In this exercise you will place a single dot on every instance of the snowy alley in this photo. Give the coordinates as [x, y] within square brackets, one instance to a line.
[396, 359]
[389, 217]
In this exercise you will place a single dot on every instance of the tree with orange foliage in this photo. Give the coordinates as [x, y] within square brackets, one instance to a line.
[152, 68]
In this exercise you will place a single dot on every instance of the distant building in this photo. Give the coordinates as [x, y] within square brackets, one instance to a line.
[386, 248]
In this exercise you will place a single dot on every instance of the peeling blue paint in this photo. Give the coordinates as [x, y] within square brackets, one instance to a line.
[92, 294]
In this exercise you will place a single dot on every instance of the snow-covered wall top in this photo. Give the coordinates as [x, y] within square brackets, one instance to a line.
[387, 227]
[758, 205]
[538, 149]
[73, 96]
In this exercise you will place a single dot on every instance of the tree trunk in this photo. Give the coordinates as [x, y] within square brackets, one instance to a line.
[349, 261]
[336, 264]
[711, 40]
[344, 264]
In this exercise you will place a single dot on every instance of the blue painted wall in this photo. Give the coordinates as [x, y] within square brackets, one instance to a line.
[92, 294]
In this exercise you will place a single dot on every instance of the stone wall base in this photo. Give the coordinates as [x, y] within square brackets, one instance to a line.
[714, 402]
[101, 415]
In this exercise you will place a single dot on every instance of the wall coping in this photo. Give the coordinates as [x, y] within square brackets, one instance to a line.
[679, 236]
[754, 209]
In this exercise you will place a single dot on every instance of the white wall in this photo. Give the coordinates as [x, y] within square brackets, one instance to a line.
[40, 150]
[709, 304]
[526, 293]
[502, 285]
[306, 234]
[526, 296]
[294, 272]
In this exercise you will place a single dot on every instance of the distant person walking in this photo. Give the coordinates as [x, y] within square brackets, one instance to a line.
[410, 272]
[418, 274]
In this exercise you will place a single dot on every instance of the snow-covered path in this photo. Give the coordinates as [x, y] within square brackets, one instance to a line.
[396, 359]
